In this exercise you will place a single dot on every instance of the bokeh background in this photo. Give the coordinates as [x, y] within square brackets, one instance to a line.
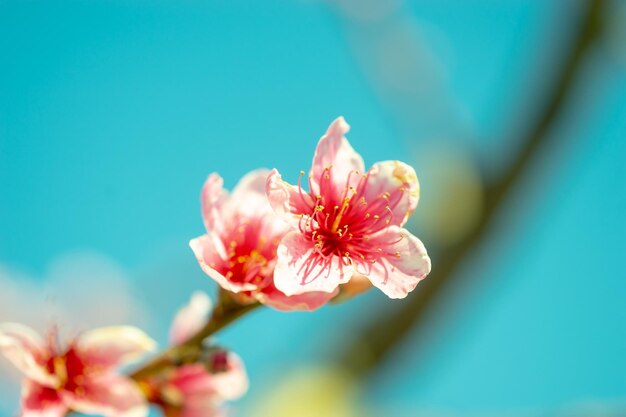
[112, 114]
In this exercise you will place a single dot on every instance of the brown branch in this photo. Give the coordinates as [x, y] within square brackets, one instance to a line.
[226, 312]
[382, 333]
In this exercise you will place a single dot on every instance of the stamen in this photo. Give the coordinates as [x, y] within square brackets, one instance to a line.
[300, 189]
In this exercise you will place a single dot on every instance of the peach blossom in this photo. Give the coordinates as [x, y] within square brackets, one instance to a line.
[239, 252]
[349, 222]
[80, 376]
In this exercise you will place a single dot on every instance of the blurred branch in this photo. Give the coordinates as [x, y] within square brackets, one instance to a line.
[382, 332]
[227, 311]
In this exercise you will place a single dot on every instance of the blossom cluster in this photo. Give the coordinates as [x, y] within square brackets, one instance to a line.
[295, 249]
[82, 374]
[290, 247]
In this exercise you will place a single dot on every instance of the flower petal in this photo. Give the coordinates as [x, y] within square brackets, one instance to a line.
[23, 347]
[207, 250]
[212, 199]
[232, 383]
[40, 401]
[113, 346]
[287, 201]
[391, 184]
[248, 197]
[402, 265]
[310, 301]
[110, 395]
[191, 318]
[334, 150]
[194, 381]
[301, 269]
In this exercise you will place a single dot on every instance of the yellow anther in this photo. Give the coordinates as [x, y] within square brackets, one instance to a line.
[301, 172]
[60, 368]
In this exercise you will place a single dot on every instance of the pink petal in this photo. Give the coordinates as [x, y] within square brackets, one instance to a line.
[201, 407]
[300, 269]
[397, 184]
[207, 250]
[233, 383]
[334, 150]
[403, 264]
[113, 346]
[248, 197]
[310, 301]
[23, 347]
[287, 201]
[110, 396]
[212, 200]
[40, 401]
[191, 318]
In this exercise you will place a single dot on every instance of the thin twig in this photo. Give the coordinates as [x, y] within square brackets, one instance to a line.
[226, 312]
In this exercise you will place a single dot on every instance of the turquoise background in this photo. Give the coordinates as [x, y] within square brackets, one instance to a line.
[112, 114]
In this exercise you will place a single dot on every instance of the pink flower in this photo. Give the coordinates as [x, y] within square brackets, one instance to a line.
[199, 389]
[240, 250]
[80, 376]
[349, 223]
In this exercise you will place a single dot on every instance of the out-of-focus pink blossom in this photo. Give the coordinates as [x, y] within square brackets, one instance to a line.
[350, 221]
[239, 252]
[80, 376]
[194, 391]
[198, 389]
[191, 318]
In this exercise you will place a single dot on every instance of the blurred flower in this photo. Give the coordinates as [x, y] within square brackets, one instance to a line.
[78, 377]
[191, 318]
[83, 289]
[198, 389]
[348, 223]
[240, 250]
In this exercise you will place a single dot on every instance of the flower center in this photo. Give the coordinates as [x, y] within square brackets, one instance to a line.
[70, 369]
[248, 253]
[342, 220]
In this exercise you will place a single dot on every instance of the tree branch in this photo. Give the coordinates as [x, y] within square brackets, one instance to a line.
[226, 312]
[381, 333]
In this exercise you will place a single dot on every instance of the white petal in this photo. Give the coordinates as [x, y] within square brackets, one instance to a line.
[191, 318]
[25, 349]
[114, 346]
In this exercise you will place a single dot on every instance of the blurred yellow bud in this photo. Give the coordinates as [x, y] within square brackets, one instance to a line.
[319, 391]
